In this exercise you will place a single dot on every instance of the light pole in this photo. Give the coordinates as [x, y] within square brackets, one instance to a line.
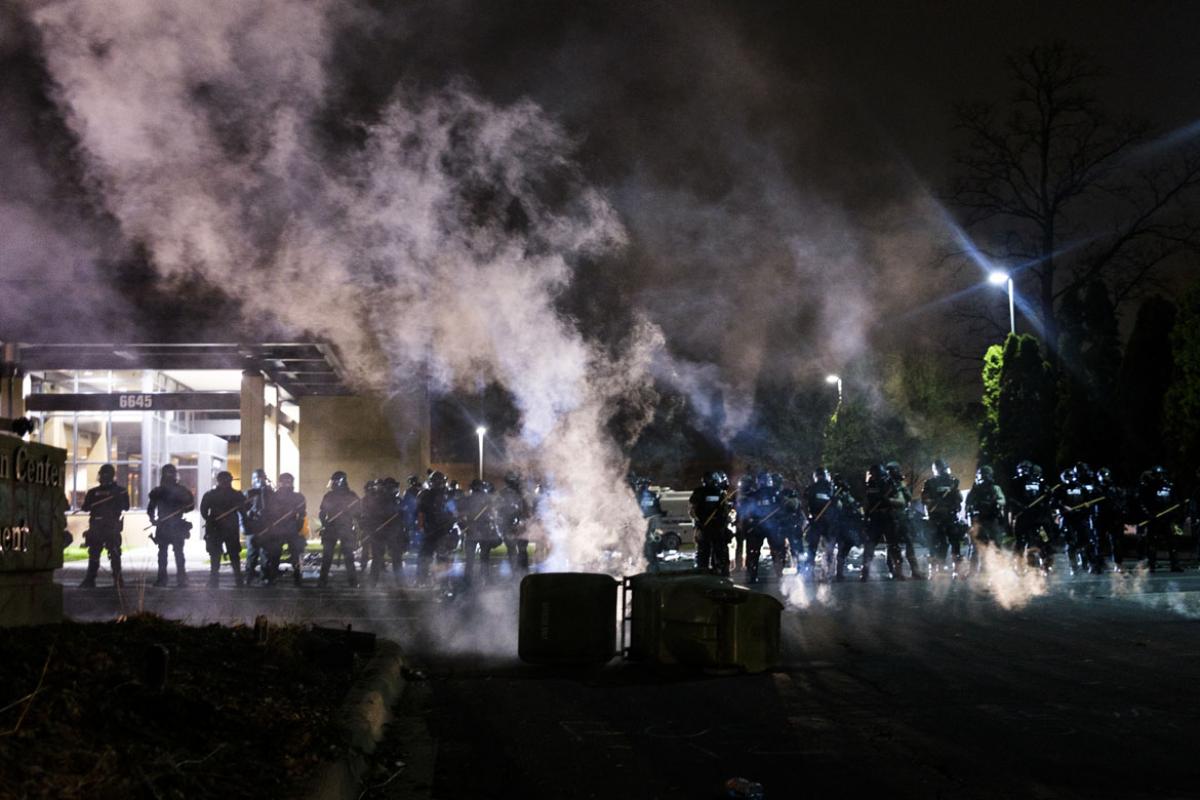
[836, 380]
[998, 278]
[481, 432]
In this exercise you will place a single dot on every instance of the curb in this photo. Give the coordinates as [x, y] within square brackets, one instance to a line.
[362, 719]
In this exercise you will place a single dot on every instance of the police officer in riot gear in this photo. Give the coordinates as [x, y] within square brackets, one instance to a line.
[1110, 518]
[709, 509]
[477, 520]
[821, 509]
[169, 501]
[1160, 509]
[255, 520]
[221, 508]
[745, 505]
[104, 505]
[1030, 506]
[287, 510]
[883, 503]
[942, 500]
[437, 517]
[385, 528]
[512, 515]
[985, 509]
[906, 534]
[849, 523]
[339, 514]
[1076, 501]
[765, 525]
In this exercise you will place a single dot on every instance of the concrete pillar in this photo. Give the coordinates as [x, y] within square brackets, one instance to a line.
[12, 394]
[254, 420]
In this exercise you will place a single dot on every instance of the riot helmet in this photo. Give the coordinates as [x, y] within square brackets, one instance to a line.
[513, 481]
[437, 480]
[747, 484]
[477, 486]
[940, 468]
[820, 474]
[875, 472]
[287, 482]
[893, 471]
[766, 480]
[259, 480]
[370, 486]
[388, 484]
[169, 475]
[1083, 472]
[1159, 472]
[413, 481]
[108, 475]
[1104, 476]
[224, 479]
[711, 480]
[1025, 469]
[985, 474]
[338, 480]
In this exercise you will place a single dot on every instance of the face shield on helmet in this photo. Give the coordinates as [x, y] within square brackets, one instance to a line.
[940, 468]
[1024, 469]
[258, 479]
[820, 474]
[338, 480]
[437, 480]
[984, 474]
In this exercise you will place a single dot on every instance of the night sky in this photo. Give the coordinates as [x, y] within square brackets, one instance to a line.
[781, 157]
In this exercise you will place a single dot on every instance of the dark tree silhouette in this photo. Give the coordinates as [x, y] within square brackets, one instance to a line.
[1052, 186]
[1181, 414]
[1145, 377]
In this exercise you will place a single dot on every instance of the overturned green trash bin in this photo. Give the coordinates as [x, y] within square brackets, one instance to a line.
[568, 618]
[704, 621]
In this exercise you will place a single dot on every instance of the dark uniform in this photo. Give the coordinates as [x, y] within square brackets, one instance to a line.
[905, 527]
[477, 520]
[256, 521]
[942, 499]
[709, 509]
[385, 528]
[848, 527]
[437, 517]
[286, 511]
[221, 510]
[652, 512]
[1076, 500]
[1030, 504]
[169, 501]
[883, 502]
[339, 525]
[512, 513]
[745, 506]
[985, 510]
[821, 508]
[104, 505]
[765, 525]
[1110, 517]
[1161, 511]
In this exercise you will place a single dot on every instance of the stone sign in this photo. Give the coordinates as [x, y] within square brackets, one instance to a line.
[33, 507]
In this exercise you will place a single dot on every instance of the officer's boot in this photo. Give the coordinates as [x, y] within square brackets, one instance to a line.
[236, 563]
[114, 562]
[181, 578]
[161, 580]
[214, 578]
[350, 570]
[1174, 556]
[894, 564]
[913, 564]
[89, 581]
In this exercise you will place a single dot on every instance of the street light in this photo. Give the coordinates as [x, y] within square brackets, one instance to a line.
[836, 380]
[999, 278]
[481, 432]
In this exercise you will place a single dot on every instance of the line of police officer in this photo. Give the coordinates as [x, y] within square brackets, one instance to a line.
[1097, 520]
[386, 521]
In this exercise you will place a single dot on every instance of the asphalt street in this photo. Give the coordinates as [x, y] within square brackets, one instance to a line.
[990, 688]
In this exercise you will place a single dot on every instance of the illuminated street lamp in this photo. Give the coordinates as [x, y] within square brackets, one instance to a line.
[998, 278]
[481, 432]
[835, 380]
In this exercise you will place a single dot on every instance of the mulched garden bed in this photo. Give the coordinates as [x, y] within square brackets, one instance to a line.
[80, 717]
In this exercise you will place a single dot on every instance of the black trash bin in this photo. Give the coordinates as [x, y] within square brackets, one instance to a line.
[568, 618]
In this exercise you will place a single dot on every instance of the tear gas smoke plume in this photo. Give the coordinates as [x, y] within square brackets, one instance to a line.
[435, 246]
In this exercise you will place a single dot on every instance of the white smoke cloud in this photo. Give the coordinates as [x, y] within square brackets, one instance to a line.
[442, 242]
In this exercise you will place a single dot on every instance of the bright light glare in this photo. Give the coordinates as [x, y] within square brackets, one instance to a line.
[832, 379]
[480, 431]
[998, 278]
